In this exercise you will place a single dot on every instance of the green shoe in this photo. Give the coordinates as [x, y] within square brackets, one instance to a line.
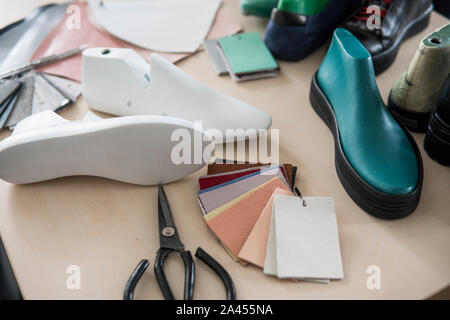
[263, 8]
[259, 8]
[416, 93]
[377, 160]
[296, 12]
[303, 7]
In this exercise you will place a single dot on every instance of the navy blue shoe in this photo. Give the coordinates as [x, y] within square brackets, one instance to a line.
[292, 42]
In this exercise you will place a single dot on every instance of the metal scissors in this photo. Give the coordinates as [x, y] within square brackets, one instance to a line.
[170, 242]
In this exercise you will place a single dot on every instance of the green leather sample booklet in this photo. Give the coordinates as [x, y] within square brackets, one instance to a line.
[247, 57]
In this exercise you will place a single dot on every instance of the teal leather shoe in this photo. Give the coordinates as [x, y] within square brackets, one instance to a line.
[377, 160]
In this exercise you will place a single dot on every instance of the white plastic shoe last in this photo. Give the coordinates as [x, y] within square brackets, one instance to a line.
[141, 150]
[118, 81]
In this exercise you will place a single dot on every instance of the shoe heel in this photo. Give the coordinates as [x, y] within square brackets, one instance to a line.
[437, 140]
[316, 99]
[414, 121]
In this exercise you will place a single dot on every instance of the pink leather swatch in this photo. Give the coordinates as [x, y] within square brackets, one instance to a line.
[66, 36]
[234, 224]
[254, 248]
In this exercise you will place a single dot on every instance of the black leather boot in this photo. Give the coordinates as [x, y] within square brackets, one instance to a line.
[382, 25]
[443, 7]
[437, 139]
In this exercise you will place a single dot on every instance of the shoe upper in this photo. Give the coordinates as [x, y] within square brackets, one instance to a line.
[378, 30]
[293, 43]
[373, 142]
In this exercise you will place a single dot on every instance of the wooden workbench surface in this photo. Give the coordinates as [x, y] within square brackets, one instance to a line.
[106, 227]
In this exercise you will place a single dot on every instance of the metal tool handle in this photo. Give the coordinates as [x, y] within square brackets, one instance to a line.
[189, 276]
[41, 62]
[57, 57]
[220, 271]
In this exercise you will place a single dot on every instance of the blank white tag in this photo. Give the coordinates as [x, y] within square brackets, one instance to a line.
[306, 238]
[270, 263]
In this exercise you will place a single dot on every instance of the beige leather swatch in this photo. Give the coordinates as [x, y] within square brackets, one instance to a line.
[254, 249]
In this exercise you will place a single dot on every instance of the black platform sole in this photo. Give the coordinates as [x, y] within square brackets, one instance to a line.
[437, 140]
[385, 59]
[414, 121]
[378, 203]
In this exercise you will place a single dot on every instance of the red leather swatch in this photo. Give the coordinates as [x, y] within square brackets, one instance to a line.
[214, 180]
[221, 173]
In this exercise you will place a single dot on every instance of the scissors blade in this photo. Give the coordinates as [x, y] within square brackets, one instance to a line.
[168, 233]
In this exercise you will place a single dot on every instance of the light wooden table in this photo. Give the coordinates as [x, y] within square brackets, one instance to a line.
[106, 227]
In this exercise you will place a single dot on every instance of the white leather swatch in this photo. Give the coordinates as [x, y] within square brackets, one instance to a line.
[160, 25]
[270, 264]
[306, 238]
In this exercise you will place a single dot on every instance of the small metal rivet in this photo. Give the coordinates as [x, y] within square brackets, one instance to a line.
[168, 231]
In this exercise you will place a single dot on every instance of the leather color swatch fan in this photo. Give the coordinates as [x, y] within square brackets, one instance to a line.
[260, 221]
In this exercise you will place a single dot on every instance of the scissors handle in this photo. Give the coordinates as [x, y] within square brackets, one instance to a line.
[189, 276]
[138, 272]
[220, 271]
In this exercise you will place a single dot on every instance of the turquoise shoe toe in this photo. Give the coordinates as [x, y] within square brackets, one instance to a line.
[377, 160]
